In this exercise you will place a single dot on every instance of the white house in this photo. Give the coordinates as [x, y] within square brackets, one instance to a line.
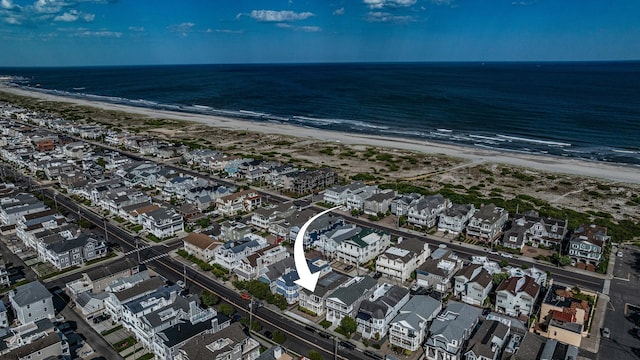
[162, 223]
[409, 328]
[454, 219]
[363, 247]
[376, 312]
[517, 295]
[486, 224]
[450, 330]
[424, 212]
[473, 284]
[400, 261]
[32, 302]
[346, 299]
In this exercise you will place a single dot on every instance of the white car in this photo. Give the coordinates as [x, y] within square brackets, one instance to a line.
[507, 255]
[492, 252]
[620, 254]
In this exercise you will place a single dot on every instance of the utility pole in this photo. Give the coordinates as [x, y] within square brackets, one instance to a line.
[184, 272]
[335, 348]
[250, 313]
[137, 249]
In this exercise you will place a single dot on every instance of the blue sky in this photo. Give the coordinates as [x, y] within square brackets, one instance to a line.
[121, 32]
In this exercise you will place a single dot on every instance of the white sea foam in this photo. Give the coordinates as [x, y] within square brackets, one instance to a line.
[535, 141]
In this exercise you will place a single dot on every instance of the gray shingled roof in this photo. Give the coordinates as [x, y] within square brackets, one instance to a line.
[452, 323]
[350, 294]
[419, 304]
[30, 293]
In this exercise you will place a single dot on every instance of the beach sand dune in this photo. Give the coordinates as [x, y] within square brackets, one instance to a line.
[618, 173]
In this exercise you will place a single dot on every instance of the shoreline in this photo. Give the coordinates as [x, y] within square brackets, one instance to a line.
[474, 155]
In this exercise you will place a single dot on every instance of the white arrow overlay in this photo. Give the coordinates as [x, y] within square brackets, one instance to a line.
[307, 279]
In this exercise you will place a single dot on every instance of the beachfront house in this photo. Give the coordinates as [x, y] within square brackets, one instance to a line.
[587, 244]
[529, 228]
[379, 203]
[338, 195]
[424, 212]
[400, 205]
[487, 223]
[454, 219]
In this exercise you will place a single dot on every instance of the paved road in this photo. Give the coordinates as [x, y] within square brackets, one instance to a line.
[558, 274]
[624, 342]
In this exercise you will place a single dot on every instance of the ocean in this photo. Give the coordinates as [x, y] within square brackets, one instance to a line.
[588, 110]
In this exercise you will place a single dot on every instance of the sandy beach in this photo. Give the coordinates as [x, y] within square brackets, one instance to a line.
[616, 173]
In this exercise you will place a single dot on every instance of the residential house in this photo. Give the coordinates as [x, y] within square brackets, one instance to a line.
[454, 219]
[275, 353]
[231, 344]
[356, 199]
[587, 244]
[363, 247]
[410, 327]
[230, 254]
[346, 299]
[488, 341]
[53, 345]
[400, 261]
[73, 252]
[535, 347]
[168, 342]
[487, 223]
[256, 264]
[201, 246]
[31, 302]
[436, 273]
[565, 314]
[535, 230]
[264, 217]
[162, 223]
[379, 203]
[314, 301]
[424, 212]
[98, 278]
[473, 284]
[306, 181]
[338, 195]
[242, 201]
[329, 241]
[115, 301]
[233, 230]
[402, 202]
[450, 331]
[376, 312]
[517, 295]
[286, 286]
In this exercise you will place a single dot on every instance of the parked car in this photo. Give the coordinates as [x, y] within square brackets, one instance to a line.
[268, 334]
[347, 345]
[377, 275]
[348, 268]
[493, 252]
[245, 296]
[325, 335]
[310, 328]
[620, 254]
[507, 255]
[606, 333]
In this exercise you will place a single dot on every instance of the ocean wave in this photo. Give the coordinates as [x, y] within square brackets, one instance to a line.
[535, 141]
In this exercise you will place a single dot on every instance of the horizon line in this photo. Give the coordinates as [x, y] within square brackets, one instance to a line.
[482, 62]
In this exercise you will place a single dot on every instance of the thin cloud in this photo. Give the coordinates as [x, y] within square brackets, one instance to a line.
[381, 4]
[228, 31]
[136, 28]
[8, 5]
[523, 3]
[299, 28]
[183, 28]
[74, 15]
[338, 12]
[277, 16]
[443, 2]
[100, 34]
[385, 17]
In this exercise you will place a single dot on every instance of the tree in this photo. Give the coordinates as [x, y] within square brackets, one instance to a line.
[208, 298]
[348, 325]
[204, 222]
[314, 355]
[256, 326]
[226, 309]
[499, 277]
[279, 337]
[100, 161]
[504, 263]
